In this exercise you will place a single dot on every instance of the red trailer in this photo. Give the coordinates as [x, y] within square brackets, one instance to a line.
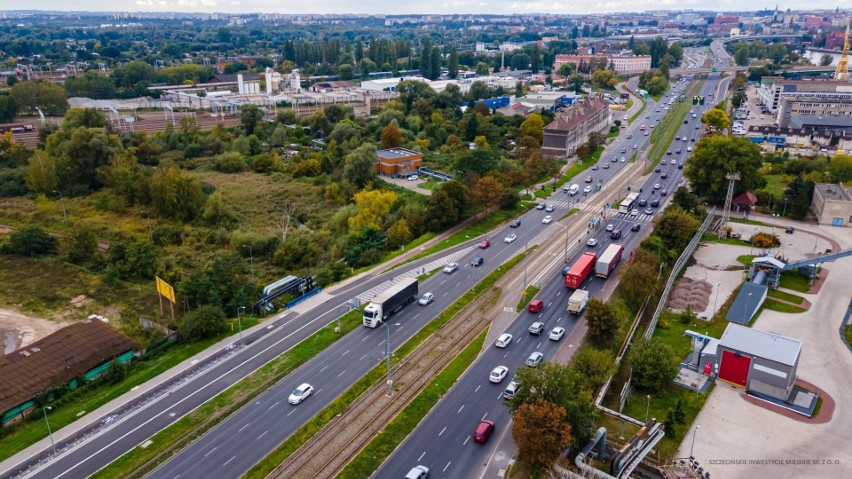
[581, 269]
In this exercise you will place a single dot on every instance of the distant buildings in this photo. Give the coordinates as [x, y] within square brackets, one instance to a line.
[832, 204]
[621, 63]
[572, 128]
[807, 103]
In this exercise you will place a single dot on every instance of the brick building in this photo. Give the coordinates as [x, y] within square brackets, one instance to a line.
[396, 162]
[572, 128]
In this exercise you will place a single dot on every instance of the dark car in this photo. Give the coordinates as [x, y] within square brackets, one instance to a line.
[635, 227]
[477, 260]
[664, 176]
[515, 223]
[664, 192]
[669, 152]
[657, 169]
[655, 203]
[790, 230]
[643, 202]
[680, 166]
[615, 234]
[483, 430]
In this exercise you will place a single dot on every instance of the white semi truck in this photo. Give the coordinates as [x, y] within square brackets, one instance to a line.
[390, 302]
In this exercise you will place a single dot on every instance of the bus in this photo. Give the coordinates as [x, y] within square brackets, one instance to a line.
[628, 203]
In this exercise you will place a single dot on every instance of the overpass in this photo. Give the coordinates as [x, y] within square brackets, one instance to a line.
[799, 70]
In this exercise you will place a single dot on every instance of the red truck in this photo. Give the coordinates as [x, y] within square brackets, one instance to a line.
[581, 269]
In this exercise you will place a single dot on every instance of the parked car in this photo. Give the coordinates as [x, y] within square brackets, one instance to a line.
[426, 299]
[412, 177]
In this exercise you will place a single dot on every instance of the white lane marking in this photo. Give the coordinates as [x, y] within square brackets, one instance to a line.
[519, 339]
[324, 368]
[345, 353]
[229, 460]
[538, 346]
[448, 465]
[341, 373]
[241, 429]
[465, 441]
[365, 338]
[264, 433]
[416, 315]
[460, 409]
[362, 357]
[211, 451]
[291, 412]
[550, 304]
[270, 407]
[484, 416]
[477, 388]
[442, 431]
[559, 319]
[421, 456]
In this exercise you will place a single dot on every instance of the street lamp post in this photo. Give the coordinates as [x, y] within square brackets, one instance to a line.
[751, 248]
[148, 220]
[694, 433]
[647, 407]
[388, 358]
[715, 300]
[49, 433]
[62, 201]
[240, 323]
[350, 308]
[251, 262]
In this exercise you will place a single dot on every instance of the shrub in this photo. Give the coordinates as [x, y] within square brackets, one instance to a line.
[203, 322]
[230, 162]
[31, 241]
[765, 240]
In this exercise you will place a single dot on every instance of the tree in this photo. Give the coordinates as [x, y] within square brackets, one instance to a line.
[535, 59]
[741, 55]
[567, 69]
[250, 115]
[479, 162]
[676, 228]
[391, 136]
[82, 244]
[520, 61]
[540, 432]
[602, 320]
[576, 82]
[638, 281]
[204, 322]
[176, 194]
[31, 241]
[8, 107]
[716, 119]
[453, 64]
[687, 201]
[533, 126]
[218, 213]
[676, 54]
[399, 234]
[604, 79]
[482, 69]
[345, 71]
[426, 59]
[487, 193]
[230, 162]
[446, 206]
[435, 70]
[594, 366]
[31, 95]
[42, 175]
[716, 155]
[777, 52]
[800, 194]
[840, 168]
[372, 208]
[358, 165]
[126, 177]
[654, 365]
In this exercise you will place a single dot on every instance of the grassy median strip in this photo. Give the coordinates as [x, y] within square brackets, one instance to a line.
[139, 460]
[666, 131]
[636, 115]
[525, 298]
[383, 445]
[300, 437]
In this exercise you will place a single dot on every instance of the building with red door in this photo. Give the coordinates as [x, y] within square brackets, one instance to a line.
[759, 361]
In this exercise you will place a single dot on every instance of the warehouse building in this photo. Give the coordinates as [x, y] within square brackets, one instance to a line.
[398, 162]
[832, 204]
[759, 361]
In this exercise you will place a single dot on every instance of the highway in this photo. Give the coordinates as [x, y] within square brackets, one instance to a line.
[442, 442]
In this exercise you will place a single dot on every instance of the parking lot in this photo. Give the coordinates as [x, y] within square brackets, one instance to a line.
[733, 438]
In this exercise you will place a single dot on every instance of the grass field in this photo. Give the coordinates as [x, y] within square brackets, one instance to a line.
[795, 281]
[792, 298]
[782, 307]
[847, 332]
[777, 184]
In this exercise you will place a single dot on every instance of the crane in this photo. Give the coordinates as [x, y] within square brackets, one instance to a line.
[842, 71]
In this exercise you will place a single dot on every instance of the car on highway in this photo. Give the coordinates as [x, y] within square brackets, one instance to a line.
[547, 220]
[483, 430]
[485, 243]
[534, 359]
[540, 206]
[673, 161]
[497, 374]
[610, 227]
[515, 223]
[511, 238]
[657, 169]
[615, 234]
[790, 230]
[477, 261]
[451, 268]
[592, 242]
[693, 139]
[623, 159]
[587, 189]
[689, 148]
[594, 167]
[300, 393]
[664, 192]
[418, 472]
[657, 186]
[635, 147]
[664, 175]
[556, 333]
[606, 166]
[615, 159]
[536, 327]
[649, 211]
[643, 202]
[669, 152]
[680, 166]
[589, 179]
[535, 306]
[634, 212]
[655, 202]
[549, 208]
[685, 138]
[647, 133]
[504, 340]
[635, 227]
[511, 390]
[677, 152]
[426, 299]
[565, 270]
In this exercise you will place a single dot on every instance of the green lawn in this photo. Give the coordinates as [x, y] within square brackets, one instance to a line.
[782, 307]
[848, 334]
[795, 281]
[525, 298]
[665, 131]
[786, 296]
[777, 184]
[569, 213]
[746, 259]
[713, 238]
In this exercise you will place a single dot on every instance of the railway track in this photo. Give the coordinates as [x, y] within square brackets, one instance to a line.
[330, 450]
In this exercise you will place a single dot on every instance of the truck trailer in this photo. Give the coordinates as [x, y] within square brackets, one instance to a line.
[581, 269]
[608, 260]
[577, 301]
[390, 302]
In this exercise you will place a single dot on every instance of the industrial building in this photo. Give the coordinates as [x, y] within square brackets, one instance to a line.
[758, 360]
[772, 88]
[398, 162]
[832, 204]
[572, 128]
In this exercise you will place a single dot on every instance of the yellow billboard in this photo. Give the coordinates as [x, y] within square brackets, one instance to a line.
[165, 289]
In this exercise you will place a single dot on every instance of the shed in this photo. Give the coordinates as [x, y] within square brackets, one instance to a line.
[759, 361]
[745, 201]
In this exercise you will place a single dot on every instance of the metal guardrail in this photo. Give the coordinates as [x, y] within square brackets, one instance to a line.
[676, 269]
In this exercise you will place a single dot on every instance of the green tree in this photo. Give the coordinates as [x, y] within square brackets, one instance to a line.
[840, 168]
[218, 213]
[535, 59]
[426, 59]
[82, 244]
[777, 52]
[567, 69]
[250, 116]
[594, 366]
[31, 95]
[230, 162]
[533, 126]
[358, 165]
[800, 194]
[716, 155]
[435, 70]
[676, 54]
[741, 54]
[399, 234]
[80, 152]
[8, 107]
[453, 64]
[31, 241]
[676, 228]
[687, 201]
[345, 71]
[638, 281]
[654, 365]
[43, 173]
[126, 177]
[482, 69]
[540, 432]
[478, 162]
[576, 82]
[204, 322]
[716, 119]
[487, 193]
[602, 320]
[176, 194]
[447, 205]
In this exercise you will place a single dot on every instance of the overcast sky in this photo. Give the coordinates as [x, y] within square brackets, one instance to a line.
[416, 6]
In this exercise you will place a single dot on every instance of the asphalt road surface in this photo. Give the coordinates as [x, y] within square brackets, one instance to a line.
[442, 442]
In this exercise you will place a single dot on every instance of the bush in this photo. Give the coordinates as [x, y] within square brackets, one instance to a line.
[765, 240]
[31, 241]
[230, 162]
[204, 322]
[13, 183]
[654, 366]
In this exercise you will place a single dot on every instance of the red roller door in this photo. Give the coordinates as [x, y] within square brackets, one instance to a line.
[734, 368]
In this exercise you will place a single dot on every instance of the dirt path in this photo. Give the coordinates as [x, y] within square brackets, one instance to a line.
[19, 330]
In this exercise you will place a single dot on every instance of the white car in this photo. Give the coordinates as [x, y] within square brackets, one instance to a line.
[674, 161]
[634, 212]
[511, 238]
[587, 189]
[610, 227]
[504, 340]
[556, 333]
[497, 374]
[688, 148]
[592, 242]
[301, 393]
[426, 299]
[534, 359]
[418, 472]
[450, 268]
[547, 219]
[412, 178]
[656, 186]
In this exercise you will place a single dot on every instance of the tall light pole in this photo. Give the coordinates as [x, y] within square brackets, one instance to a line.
[715, 300]
[49, 433]
[251, 262]
[240, 323]
[694, 433]
[350, 308]
[148, 220]
[647, 407]
[388, 357]
[62, 201]
[774, 221]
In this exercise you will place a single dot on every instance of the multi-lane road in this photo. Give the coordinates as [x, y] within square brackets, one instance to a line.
[443, 442]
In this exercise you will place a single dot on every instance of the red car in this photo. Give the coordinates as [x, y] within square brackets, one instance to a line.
[535, 306]
[485, 244]
[664, 192]
[483, 431]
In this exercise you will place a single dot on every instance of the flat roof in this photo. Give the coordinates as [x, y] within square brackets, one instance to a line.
[833, 192]
[772, 346]
[396, 153]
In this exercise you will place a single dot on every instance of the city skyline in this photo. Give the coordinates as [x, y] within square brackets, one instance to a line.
[410, 7]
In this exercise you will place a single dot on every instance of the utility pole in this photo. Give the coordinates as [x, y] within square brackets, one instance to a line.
[62, 201]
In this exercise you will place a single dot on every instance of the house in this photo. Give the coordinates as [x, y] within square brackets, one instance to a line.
[330, 86]
[573, 127]
[397, 162]
[832, 204]
[79, 352]
[744, 202]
